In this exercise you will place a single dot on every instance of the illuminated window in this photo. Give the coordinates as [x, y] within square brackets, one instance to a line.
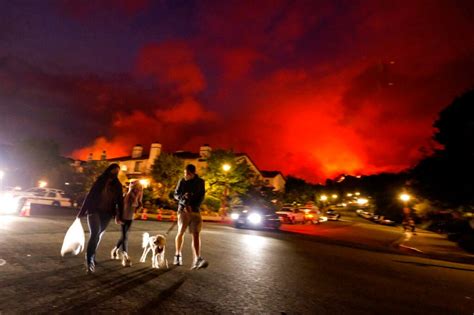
[138, 165]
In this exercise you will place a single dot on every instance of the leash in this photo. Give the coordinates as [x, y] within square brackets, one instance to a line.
[171, 227]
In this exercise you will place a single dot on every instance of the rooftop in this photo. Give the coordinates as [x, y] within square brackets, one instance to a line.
[271, 174]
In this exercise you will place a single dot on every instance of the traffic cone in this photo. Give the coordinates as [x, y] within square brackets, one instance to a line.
[159, 217]
[173, 217]
[144, 215]
[25, 210]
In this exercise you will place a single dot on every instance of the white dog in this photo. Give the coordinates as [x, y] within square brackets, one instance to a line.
[157, 245]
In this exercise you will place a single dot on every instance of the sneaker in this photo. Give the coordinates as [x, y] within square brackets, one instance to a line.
[178, 260]
[126, 262]
[114, 254]
[200, 263]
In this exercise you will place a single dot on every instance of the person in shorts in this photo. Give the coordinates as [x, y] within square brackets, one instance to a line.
[190, 193]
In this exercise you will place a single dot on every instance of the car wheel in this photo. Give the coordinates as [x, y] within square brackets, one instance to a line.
[56, 204]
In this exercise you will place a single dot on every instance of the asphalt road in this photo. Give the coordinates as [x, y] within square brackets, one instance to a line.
[251, 272]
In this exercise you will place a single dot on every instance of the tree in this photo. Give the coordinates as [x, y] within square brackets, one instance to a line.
[166, 172]
[91, 171]
[299, 191]
[447, 177]
[34, 159]
[455, 127]
[237, 180]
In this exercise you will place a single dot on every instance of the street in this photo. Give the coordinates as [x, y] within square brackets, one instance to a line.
[256, 272]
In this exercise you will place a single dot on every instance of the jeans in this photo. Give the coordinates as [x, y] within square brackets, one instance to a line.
[97, 224]
[123, 241]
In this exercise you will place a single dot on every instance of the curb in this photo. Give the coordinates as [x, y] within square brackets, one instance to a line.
[410, 250]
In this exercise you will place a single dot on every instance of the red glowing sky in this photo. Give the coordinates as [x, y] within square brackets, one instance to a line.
[311, 88]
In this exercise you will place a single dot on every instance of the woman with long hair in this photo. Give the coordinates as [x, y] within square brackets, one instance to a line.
[132, 202]
[103, 202]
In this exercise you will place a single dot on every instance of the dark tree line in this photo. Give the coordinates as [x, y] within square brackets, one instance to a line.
[447, 177]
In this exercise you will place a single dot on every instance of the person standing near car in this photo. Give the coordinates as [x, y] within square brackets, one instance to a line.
[103, 202]
[190, 193]
[132, 202]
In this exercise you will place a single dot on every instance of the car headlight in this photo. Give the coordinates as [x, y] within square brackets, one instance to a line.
[323, 218]
[234, 216]
[255, 218]
[8, 204]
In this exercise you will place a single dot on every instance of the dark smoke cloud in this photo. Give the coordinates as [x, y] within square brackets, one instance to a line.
[312, 88]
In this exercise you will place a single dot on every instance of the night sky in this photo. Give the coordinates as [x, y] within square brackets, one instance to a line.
[311, 88]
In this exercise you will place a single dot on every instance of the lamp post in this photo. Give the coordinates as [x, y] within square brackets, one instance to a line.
[405, 198]
[323, 199]
[226, 168]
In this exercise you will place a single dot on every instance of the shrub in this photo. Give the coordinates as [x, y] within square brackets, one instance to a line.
[211, 204]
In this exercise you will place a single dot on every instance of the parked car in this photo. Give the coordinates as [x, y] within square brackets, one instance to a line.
[42, 196]
[291, 215]
[314, 217]
[365, 214]
[385, 221]
[333, 215]
[255, 217]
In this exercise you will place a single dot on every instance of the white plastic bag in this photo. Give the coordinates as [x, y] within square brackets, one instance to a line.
[74, 239]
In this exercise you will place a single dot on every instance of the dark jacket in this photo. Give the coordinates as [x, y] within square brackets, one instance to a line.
[190, 193]
[94, 199]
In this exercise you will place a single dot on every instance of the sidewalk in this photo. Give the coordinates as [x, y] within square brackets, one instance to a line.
[378, 237]
[434, 245]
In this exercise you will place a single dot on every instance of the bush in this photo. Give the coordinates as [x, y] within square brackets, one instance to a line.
[211, 204]
[165, 204]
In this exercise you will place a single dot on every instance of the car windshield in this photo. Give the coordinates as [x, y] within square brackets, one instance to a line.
[37, 190]
[264, 210]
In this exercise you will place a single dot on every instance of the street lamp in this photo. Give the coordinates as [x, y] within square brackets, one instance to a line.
[362, 201]
[405, 197]
[334, 196]
[226, 168]
[349, 195]
[144, 182]
[323, 198]
[407, 218]
[357, 193]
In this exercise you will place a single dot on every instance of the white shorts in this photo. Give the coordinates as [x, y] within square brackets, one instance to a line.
[193, 220]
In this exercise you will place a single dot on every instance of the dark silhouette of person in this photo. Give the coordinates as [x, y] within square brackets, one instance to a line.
[103, 202]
